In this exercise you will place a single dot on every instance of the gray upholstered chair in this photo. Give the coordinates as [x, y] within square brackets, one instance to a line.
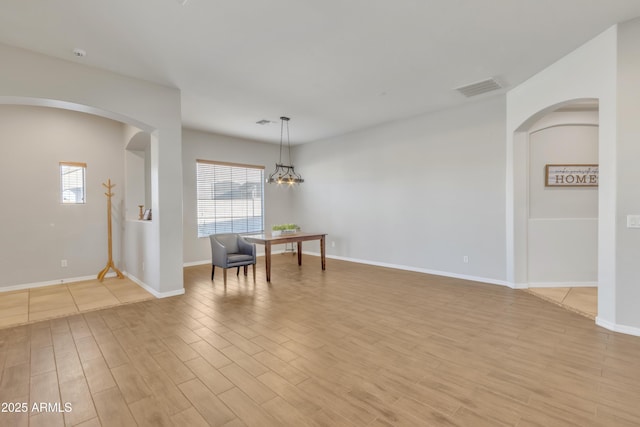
[231, 250]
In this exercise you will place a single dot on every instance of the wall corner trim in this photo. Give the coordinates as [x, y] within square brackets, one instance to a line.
[623, 329]
[153, 291]
[518, 285]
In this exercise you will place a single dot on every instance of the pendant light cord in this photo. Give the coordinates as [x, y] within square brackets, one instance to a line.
[281, 136]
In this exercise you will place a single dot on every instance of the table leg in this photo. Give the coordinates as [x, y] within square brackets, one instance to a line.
[299, 253]
[267, 256]
[322, 253]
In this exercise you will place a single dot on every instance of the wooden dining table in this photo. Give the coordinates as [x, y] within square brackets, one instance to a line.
[269, 240]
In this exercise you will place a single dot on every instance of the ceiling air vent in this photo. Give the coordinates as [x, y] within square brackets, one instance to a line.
[479, 88]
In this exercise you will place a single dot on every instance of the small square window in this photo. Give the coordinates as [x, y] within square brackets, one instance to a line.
[72, 183]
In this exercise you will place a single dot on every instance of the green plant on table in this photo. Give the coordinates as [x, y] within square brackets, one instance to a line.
[284, 227]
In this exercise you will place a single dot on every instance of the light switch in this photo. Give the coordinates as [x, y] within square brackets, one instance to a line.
[633, 221]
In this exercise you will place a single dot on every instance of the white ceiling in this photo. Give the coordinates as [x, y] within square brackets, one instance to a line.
[333, 66]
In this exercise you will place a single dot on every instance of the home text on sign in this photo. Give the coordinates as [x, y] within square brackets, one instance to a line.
[571, 175]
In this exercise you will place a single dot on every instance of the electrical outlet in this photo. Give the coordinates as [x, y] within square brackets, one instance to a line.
[333, 243]
[63, 263]
[465, 259]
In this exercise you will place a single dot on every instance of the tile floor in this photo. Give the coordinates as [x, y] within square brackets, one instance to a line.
[583, 301]
[49, 302]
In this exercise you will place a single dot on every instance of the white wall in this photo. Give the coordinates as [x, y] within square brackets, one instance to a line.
[34, 79]
[208, 146]
[563, 221]
[627, 298]
[419, 194]
[38, 231]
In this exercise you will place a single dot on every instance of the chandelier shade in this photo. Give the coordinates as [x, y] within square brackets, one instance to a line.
[284, 173]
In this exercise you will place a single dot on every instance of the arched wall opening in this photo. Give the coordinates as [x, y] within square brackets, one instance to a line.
[605, 68]
[28, 77]
[555, 229]
[139, 199]
[560, 114]
[135, 242]
[40, 133]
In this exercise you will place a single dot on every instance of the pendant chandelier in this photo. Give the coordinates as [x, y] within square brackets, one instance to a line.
[284, 174]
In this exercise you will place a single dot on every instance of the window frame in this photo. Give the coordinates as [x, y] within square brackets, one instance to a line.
[64, 189]
[230, 196]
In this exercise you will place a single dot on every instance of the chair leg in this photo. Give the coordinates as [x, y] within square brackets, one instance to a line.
[254, 272]
[245, 269]
[238, 271]
[224, 274]
[213, 269]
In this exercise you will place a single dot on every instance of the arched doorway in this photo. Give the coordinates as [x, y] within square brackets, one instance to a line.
[34, 79]
[55, 163]
[73, 132]
[556, 228]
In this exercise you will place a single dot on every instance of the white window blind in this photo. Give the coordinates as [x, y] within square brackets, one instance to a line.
[230, 198]
[72, 182]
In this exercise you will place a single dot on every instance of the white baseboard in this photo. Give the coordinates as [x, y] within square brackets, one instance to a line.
[562, 285]
[24, 286]
[417, 270]
[208, 261]
[153, 291]
[93, 277]
[194, 263]
[623, 329]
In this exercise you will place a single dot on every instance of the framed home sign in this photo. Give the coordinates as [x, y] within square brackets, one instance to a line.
[571, 176]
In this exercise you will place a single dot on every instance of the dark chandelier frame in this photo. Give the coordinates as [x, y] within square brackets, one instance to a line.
[284, 174]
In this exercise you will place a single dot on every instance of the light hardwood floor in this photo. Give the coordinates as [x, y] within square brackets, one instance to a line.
[355, 345]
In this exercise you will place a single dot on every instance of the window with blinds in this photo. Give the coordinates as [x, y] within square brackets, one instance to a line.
[72, 182]
[230, 198]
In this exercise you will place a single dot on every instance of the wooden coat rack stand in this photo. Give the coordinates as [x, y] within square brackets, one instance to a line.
[110, 263]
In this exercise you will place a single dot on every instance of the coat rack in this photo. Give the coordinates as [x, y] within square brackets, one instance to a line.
[110, 263]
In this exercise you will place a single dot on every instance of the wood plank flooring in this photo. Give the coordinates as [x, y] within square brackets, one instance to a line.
[355, 345]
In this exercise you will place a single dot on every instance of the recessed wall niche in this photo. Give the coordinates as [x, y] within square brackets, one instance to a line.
[138, 172]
